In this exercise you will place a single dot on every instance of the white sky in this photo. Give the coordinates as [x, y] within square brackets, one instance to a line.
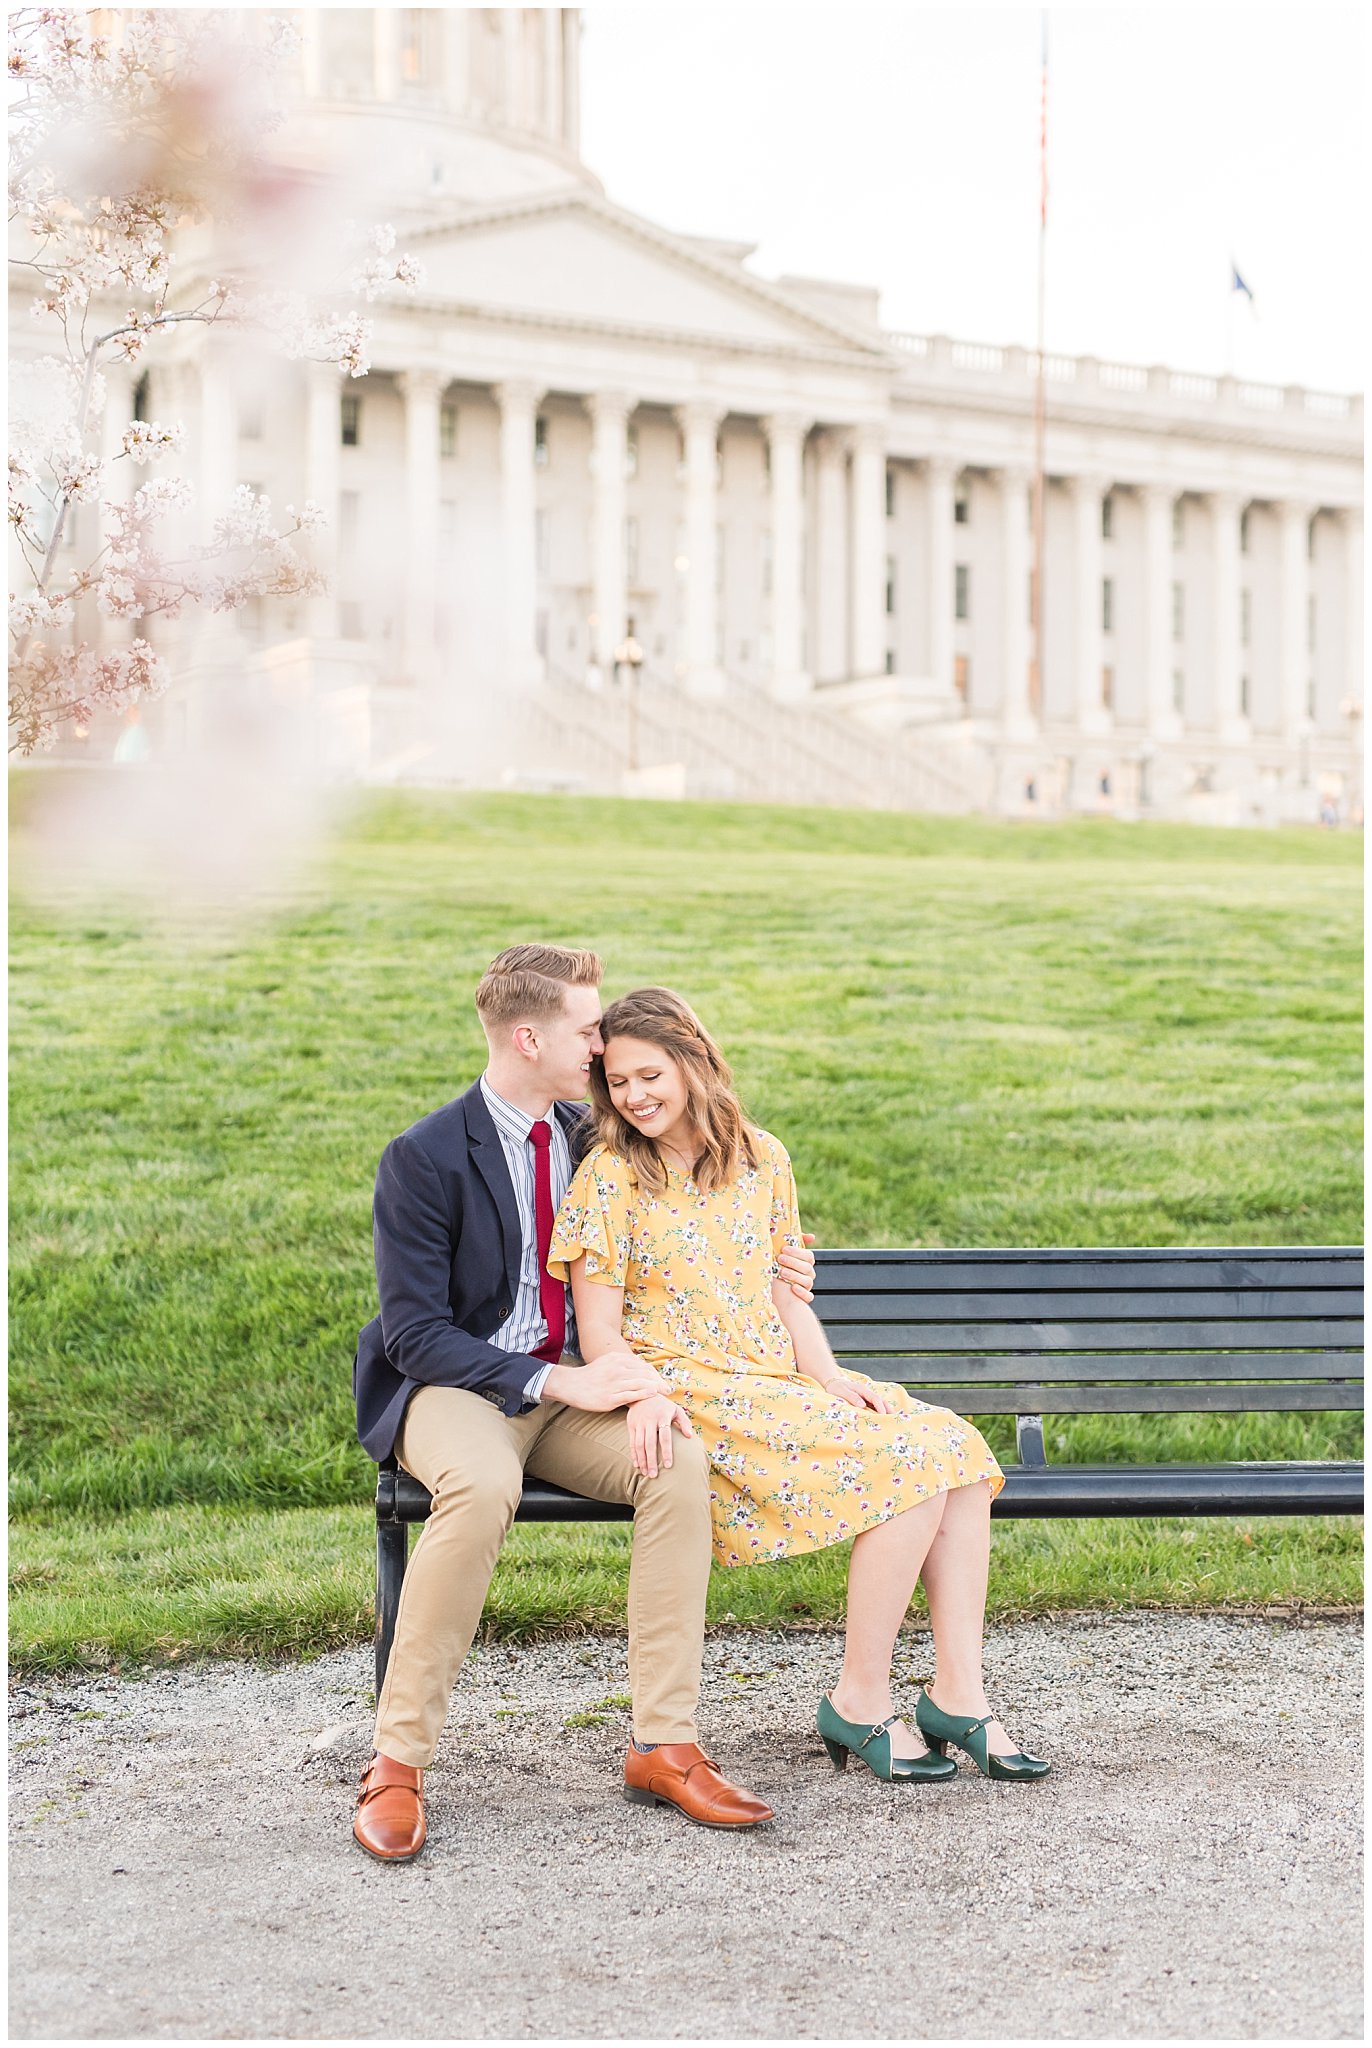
[898, 146]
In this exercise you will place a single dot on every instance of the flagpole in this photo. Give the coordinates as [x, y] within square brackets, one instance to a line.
[1229, 322]
[1036, 579]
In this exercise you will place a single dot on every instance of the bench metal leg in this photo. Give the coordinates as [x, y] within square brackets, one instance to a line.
[392, 1551]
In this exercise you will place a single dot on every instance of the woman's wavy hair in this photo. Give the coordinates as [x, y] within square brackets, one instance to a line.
[661, 1017]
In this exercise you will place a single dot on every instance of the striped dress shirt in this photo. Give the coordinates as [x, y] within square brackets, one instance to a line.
[527, 1326]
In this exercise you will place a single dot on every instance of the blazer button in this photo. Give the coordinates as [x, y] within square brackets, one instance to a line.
[504, 1315]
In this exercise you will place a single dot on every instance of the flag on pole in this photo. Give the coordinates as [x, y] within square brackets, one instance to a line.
[1238, 284]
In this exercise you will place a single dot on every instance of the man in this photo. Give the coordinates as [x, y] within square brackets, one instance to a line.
[470, 1377]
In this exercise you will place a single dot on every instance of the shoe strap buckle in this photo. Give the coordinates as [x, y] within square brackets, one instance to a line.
[880, 1729]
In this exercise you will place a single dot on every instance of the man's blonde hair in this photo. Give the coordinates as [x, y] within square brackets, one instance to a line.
[528, 984]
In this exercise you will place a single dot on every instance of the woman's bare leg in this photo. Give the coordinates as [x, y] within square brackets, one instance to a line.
[882, 1576]
[954, 1575]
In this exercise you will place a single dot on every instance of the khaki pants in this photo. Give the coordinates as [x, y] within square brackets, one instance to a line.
[473, 1460]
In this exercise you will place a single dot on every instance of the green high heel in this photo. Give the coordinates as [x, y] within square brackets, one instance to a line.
[872, 1746]
[939, 1729]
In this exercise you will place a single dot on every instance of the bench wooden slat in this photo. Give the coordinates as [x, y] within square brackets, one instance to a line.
[1094, 1336]
[1190, 1366]
[1168, 1305]
[1124, 1270]
[1030, 1399]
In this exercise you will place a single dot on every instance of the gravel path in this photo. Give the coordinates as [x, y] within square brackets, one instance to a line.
[181, 1865]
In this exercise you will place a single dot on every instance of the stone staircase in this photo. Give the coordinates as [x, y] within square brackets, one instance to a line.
[745, 748]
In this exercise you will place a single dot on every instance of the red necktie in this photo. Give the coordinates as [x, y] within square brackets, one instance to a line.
[551, 1293]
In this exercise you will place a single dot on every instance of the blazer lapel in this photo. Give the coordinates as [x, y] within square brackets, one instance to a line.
[488, 1156]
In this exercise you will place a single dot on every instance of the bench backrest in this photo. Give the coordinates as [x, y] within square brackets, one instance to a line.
[1099, 1332]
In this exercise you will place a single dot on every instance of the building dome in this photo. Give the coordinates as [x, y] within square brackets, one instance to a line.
[452, 106]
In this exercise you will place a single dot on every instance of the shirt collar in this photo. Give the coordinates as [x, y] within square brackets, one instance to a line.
[517, 1121]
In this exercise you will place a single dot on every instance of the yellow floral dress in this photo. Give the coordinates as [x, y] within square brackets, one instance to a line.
[791, 1470]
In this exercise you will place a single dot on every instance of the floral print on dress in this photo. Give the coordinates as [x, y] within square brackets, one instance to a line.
[790, 1469]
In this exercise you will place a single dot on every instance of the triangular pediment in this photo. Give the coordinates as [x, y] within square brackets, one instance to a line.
[581, 259]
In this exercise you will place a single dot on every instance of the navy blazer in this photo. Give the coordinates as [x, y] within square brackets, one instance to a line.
[446, 1234]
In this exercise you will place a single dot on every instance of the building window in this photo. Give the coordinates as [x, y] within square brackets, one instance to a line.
[349, 505]
[890, 492]
[1107, 687]
[1178, 613]
[631, 550]
[962, 675]
[962, 509]
[1243, 695]
[890, 661]
[1178, 690]
[350, 421]
[631, 450]
[890, 585]
[1243, 531]
[540, 442]
[142, 391]
[962, 601]
[419, 31]
[1107, 604]
[541, 541]
[1310, 541]
[1310, 700]
[1310, 623]
[447, 428]
[1178, 523]
[1245, 616]
[1107, 516]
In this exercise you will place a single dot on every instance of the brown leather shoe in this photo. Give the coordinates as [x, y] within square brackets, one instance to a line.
[389, 1822]
[680, 1774]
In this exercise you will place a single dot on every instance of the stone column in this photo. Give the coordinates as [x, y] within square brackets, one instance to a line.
[939, 474]
[1016, 713]
[786, 439]
[831, 557]
[420, 389]
[1088, 639]
[571, 79]
[868, 583]
[123, 480]
[1160, 718]
[518, 402]
[324, 385]
[386, 52]
[1294, 517]
[699, 424]
[218, 444]
[312, 52]
[1352, 606]
[1230, 723]
[550, 114]
[609, 411]
[456, 59]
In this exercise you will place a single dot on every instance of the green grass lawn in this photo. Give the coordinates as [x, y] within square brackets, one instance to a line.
[966, 1032]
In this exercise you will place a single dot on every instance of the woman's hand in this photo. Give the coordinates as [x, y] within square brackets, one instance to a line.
[858, 1397]
[651, 1423]
[797, 1268]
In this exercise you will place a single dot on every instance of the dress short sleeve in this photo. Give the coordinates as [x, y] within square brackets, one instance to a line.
[785, 1223]
[596, 1218]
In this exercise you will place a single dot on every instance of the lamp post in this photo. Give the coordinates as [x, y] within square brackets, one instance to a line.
[629, 655]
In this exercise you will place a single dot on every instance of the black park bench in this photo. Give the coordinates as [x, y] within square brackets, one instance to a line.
[1035, 1333]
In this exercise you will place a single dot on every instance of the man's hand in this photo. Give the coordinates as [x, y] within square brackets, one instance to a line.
[841, 1389]
[797, 1269]
[651, 1423]
[614, 1380]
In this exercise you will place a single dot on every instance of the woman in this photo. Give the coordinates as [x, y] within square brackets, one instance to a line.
[670, 1232]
